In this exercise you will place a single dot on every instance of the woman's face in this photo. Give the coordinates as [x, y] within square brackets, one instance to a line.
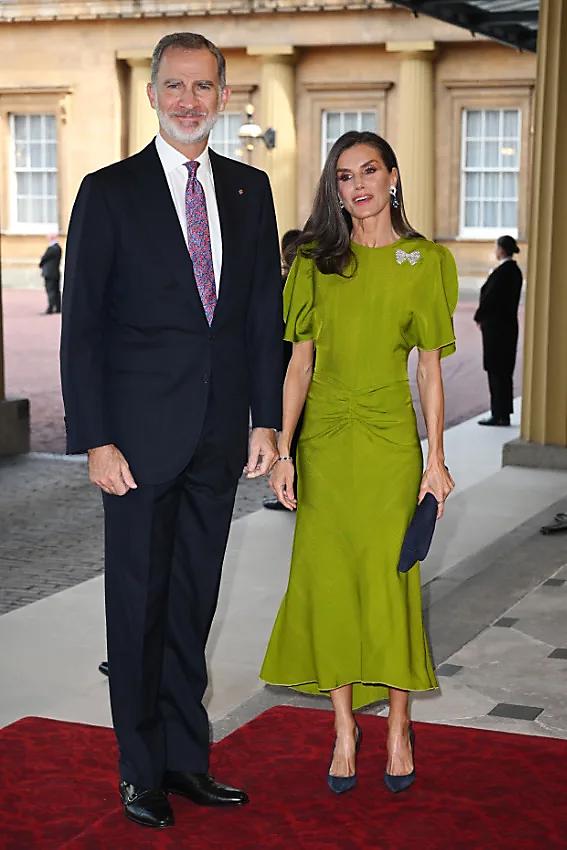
[363, 181]
[500, 252]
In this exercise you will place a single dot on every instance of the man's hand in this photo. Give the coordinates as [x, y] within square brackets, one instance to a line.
[262, 453]
[109, 471]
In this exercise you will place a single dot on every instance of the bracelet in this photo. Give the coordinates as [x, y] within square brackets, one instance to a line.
[285, 457]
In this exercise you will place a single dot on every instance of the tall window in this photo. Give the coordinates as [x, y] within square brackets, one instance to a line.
[34, 173]
[490, 166]
[224, 137]
[337, 123]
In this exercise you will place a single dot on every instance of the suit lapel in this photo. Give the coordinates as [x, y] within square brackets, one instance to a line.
[156, 212]
[231, 222]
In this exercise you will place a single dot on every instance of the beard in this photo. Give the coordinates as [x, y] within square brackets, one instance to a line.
[187, 137]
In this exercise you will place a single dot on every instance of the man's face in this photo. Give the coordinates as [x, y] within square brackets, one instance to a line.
[187, 96]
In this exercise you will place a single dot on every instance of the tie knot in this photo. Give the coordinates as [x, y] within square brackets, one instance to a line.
[192, 167]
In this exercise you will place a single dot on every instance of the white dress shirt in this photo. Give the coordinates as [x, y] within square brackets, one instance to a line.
[173, 163]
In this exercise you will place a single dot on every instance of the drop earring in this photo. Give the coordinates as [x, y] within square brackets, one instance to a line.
[393, 197]
[341, 205]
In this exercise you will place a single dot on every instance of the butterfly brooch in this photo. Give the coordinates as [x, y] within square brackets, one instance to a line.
[403, 256]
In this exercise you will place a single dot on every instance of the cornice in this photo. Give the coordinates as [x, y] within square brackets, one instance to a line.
[12, 11]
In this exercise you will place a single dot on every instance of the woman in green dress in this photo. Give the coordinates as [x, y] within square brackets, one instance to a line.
[364, 290]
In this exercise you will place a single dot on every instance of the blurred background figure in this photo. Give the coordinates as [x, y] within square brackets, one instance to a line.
[288, 252]
[50, 269]
[497, 318]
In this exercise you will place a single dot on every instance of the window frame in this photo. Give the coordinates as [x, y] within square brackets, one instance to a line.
[32, 227]
[483, 232]
[34, 100]
[471, 95]
[325, 112]
[313, 99]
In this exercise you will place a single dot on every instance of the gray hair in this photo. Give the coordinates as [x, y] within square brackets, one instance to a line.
[187, 41]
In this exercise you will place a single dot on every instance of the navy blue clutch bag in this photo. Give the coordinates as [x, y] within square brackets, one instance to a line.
[419, 533]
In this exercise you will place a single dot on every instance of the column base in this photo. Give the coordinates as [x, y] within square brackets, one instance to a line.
[14, 426]
[523, 453]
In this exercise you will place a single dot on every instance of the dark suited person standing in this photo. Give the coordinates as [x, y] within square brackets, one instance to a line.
[50, 265]
[497, 317]
[172, 328]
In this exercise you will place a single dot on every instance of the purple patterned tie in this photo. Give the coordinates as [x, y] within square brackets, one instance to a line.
[199, 240]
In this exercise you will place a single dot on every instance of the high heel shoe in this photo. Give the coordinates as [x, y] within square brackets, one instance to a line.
[395, 784]
[340, 784]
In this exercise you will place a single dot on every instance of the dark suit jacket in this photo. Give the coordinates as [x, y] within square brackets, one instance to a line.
[138, 358]
[497, 315]
[50, 262]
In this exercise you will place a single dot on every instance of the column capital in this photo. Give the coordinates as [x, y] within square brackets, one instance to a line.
[412, 49]
[275, 52]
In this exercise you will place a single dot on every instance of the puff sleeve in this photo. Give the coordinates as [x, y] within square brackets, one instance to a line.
[298, 299]
[435, 305]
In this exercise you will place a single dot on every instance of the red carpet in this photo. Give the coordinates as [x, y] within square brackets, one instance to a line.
[475, 790]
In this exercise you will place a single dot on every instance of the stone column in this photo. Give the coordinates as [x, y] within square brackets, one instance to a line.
[277, 110]
[415, 145]
[14, 412]
[143, 123]
[543, 440]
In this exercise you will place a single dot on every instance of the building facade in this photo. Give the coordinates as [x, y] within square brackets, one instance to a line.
[458, 110]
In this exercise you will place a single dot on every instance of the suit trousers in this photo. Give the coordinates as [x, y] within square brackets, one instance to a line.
[53, 290]
[501, 394]
[164, 548]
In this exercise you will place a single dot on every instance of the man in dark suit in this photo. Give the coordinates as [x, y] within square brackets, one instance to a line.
[50, 270]
[497, 318]
[172, 328]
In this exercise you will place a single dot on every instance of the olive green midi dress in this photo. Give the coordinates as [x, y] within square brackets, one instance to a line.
[348, 616]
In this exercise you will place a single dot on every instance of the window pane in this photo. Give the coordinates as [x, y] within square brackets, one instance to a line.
[490, 214]
[37, 211]
[51, 155]
[368, 121]
[23, 211]
[36, 159]
[23, 184]
[51, 217]
[21, 155]
[509, 214]
[350, 121]
[50, 127]
[473, 154]
[510, 153]
[472, 214]
[35, 127]
[472, 185]
[509, 185]
[492, 123]
[333, 125]
[474, 120]
[511, 122]
[20, 126]
[51, 184]
[491, 185]
[491, 154]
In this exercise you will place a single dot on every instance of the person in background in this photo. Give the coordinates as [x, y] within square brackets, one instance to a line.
[497, 318]
[50, 271]
[288, 252]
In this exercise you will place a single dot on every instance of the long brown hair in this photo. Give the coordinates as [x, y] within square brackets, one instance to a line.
[328, 229]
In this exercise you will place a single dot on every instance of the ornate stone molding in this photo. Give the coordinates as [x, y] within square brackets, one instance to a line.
[65, 10]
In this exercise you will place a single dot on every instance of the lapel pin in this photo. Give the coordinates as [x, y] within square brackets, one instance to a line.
[241, 191]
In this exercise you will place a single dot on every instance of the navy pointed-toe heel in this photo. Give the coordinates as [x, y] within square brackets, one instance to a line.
[395, 784]
[340, 784]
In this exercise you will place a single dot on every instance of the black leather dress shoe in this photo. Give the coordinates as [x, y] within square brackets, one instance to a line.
[203, 789]
[146, 806]
[103, 668]
[496, 422]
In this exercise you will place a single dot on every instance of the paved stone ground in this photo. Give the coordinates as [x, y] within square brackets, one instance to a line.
[51, 517]
[32, 368]
[51, 527]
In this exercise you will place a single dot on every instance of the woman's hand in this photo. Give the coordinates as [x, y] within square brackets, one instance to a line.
[281, 482]
[437, 480]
